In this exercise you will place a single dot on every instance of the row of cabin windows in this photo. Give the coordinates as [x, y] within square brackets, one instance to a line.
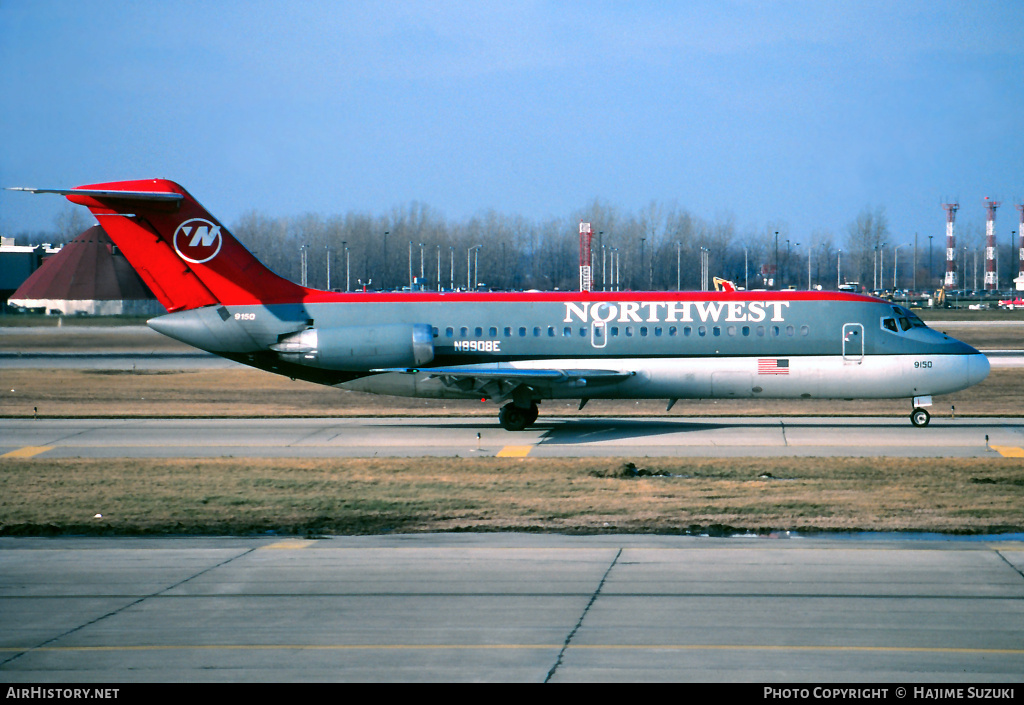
[628, 331]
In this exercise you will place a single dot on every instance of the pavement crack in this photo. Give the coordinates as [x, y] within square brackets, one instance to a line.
[785, 441]
[1007, 562]
[122, 608]
[579, 623]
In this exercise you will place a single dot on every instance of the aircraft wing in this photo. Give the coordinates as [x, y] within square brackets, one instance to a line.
[499, 382]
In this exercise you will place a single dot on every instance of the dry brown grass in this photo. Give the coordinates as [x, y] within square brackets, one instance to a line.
[353, 496]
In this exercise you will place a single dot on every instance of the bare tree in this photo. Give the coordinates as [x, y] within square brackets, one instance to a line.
[69, 223]
[866, 236]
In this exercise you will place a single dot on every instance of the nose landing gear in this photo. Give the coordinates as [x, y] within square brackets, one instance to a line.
[920, 417]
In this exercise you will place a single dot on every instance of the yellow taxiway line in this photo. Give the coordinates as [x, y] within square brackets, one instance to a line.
[27, 452]
[514, 451]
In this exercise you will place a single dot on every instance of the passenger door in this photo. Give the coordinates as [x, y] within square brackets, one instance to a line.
[853, 343]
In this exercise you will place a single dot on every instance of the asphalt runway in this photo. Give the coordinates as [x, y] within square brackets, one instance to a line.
[482, 437]
[511, 608]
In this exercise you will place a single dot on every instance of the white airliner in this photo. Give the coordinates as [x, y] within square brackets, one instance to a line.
[521, 348]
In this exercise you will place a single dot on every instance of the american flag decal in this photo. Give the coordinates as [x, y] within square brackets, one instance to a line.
[772, 366]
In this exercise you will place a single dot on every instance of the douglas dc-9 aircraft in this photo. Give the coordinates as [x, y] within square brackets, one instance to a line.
[520, 348]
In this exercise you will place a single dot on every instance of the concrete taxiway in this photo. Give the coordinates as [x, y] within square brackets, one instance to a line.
[481, 436]
[509, 607]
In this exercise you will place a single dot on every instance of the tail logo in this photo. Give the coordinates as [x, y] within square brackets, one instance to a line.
[197, 240]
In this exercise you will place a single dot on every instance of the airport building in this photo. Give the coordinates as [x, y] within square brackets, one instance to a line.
[88, 276]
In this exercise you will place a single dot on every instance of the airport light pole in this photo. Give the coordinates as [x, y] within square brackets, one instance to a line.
[839, 269]
[931, 271]
[679, 261]
[476, 267]
[896, 263]
[776, 259]
[471, 251]
[348, 270]
[328, 248]
[384, 277]
[642, 241]
[746, 284]
[795, 244]
[913, 264]
[1011, 258]
[808, 268]
[881, 265]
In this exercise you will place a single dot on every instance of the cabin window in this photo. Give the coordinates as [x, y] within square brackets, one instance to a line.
[702, 331]
[716, 331]
[435, 331]
[672, 331]
[567, 332]
[643, 331]
[536, 331]
[804, 331]
[508, 332]
[551, 331]
[746, 331]
[657, 331]
[478, 331]
[687, 330]
[775, 331]
[629, 331]
[493, 331]
[614, 331]
[790, 331]
[583, 331]
[464, 332]
[760, 331]
[522, 332]
[731, 330]
[449, 332]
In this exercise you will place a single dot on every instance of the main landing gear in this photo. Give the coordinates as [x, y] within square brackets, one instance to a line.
[517, 418]
[920, 417]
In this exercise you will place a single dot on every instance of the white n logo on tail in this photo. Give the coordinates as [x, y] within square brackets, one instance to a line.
[197, 240]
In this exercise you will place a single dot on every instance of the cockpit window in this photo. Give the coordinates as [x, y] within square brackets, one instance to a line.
[889, 324]
[913, 321]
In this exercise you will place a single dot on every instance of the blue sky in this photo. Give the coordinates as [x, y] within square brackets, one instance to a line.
[799, 112]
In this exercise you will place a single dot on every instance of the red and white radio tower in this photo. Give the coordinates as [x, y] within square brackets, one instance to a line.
[585, 237]
[950, 281]
[1020, 243]
[991, 277]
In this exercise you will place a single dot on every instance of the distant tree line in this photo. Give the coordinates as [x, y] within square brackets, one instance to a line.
[658, 248]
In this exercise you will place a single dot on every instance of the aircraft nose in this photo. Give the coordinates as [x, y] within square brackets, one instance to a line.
[977, 368]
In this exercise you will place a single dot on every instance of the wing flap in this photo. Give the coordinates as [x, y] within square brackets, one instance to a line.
[499, 383]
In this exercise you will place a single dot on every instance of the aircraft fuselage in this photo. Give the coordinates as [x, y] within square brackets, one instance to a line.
[679, 345]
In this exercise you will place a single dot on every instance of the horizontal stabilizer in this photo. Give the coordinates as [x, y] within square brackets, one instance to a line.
[159, 196]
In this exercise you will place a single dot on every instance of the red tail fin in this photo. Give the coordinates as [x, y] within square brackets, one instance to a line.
[181, 251]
